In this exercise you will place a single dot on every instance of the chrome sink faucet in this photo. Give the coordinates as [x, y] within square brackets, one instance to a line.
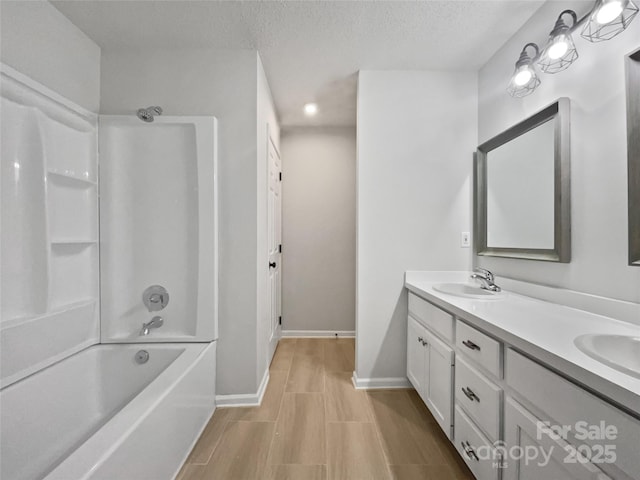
[156, 322]
[486, 279]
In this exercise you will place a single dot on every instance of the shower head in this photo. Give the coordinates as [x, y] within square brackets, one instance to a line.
[147, 114]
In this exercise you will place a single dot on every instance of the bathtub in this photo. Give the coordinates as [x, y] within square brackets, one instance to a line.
[100, 414]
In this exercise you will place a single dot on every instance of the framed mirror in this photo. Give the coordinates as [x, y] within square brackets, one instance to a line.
[633, 154]
[523, 189]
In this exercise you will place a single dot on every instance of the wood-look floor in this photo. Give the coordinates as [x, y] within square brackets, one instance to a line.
[313, 424]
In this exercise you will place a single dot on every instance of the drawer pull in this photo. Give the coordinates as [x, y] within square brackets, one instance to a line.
[470, 394]
[469, 344]
[468, 449]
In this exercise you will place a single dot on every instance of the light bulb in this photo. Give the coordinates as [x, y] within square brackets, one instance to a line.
[609, 11]
[523, 77]
[558, 48]
[311, 109]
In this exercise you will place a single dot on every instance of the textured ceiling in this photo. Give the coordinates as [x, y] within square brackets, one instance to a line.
[312, 50]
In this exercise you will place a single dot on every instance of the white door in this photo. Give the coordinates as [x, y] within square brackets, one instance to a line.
[440, 382]
[416, 356]
[274, 226]
[555, 458]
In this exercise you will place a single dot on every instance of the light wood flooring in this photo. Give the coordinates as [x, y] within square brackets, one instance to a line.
[313, 424]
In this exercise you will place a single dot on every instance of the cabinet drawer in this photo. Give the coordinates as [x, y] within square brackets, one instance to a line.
[468, 440]
[481, 348]
[479, 397]
[566, 404]
[437, 320]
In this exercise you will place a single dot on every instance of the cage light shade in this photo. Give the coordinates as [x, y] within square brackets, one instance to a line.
[603, 23]
[519, 91]
[560, 51]
[559, 54]
[524, 79]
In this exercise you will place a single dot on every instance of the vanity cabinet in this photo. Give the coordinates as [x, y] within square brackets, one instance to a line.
[430, 367]
[498, 411]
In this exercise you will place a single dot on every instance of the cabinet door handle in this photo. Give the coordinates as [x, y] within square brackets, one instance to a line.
[470, 394]
[420, 340]
[469, 344]
[424, 343]
[468, 449]
[272, 264]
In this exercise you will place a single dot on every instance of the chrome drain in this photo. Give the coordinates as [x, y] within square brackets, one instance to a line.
[142, 356]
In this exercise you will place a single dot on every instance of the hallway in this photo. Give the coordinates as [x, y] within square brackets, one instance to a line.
[313, 424]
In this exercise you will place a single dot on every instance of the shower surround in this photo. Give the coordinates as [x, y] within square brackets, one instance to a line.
[71, 408]
[157, 208]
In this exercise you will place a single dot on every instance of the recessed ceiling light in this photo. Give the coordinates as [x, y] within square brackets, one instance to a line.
[311, 109]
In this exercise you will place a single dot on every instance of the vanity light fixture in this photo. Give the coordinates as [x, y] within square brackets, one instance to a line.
[560, 51]
[608, 19]
[310, 109]
[524, 79]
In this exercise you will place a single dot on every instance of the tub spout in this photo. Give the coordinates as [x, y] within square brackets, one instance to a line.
[156, 322]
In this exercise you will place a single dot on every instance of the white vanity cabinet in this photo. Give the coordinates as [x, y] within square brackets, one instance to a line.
[430, 363]
[504, 398]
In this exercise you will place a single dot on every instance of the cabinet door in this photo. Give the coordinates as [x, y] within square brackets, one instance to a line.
[542, 456]
[440, 382]
[416, 356]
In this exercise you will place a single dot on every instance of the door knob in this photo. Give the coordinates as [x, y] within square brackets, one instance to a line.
[272, 264]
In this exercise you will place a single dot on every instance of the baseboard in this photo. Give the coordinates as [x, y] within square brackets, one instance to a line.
[380, 382]
[317, 333]
[244, 399]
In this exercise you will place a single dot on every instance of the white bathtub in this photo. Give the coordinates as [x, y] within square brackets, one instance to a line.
[100, 415]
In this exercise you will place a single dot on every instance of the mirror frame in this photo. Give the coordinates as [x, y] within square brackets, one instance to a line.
[558, 112]
[633, 154]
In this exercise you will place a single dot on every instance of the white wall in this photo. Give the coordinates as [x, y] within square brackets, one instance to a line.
[224, 84]
[40, 42]
[319, 229]
[595, 84]
[416, 137]
[267, 124]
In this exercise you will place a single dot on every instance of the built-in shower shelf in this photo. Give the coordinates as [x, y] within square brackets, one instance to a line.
[54, 311]
[73, 241]
[71, 177]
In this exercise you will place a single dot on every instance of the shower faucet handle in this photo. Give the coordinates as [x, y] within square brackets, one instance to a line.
[155, 298]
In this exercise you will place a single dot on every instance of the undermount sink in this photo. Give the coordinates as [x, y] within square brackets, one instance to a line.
[621, 352]
[465, 290]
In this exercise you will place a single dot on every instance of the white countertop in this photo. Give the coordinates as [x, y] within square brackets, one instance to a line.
[543, 330]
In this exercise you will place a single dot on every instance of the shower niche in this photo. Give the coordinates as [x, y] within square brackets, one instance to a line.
[49, 225]
[158, 226]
